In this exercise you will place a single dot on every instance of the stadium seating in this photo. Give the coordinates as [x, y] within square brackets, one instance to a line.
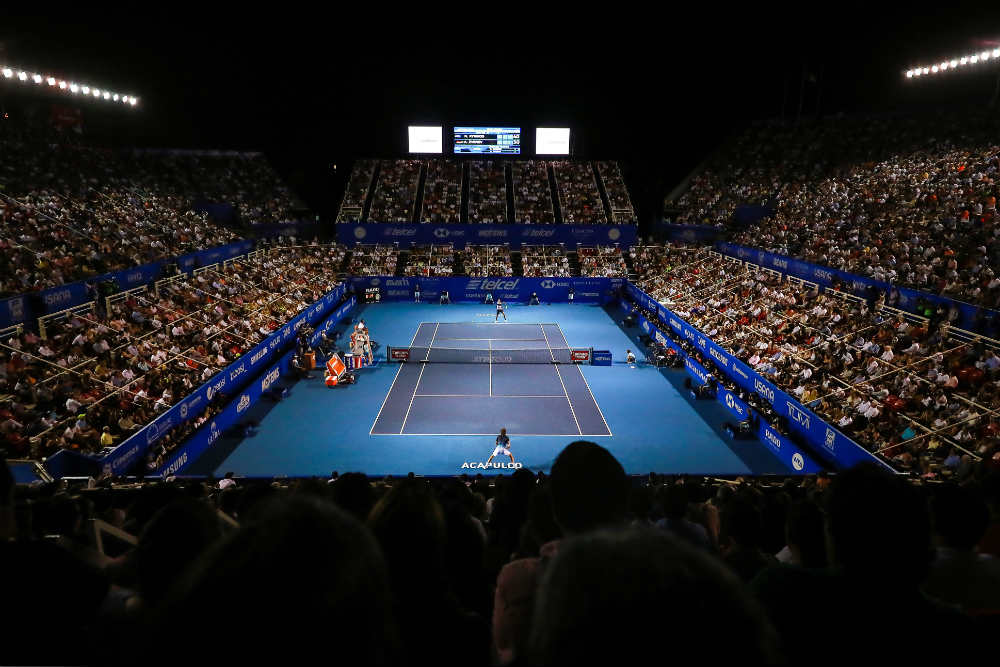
[115, 366]
[442, 191]
[579, 198]
[487, 192]
[602, 262]
[483, 261]
[396, 192]
[539, 261]
[532, 194]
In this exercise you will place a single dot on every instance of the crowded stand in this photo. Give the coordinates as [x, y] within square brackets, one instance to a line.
[483, 261]
[622, 210]
[373, 260]
[905, 200]
[487, 192]
[579, 198]
[97, 374]
[602, 262]
[431, 261]
[356, 194]
[449, 570]
[442, 191]
[545, 260]
[650, 260]
[69, 212]
[396, 193]
[532, 194]
[244, 180]
[914, 389]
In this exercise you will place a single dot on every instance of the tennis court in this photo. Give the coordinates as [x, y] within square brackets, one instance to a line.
[472, 378]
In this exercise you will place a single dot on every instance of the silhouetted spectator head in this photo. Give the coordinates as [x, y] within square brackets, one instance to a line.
[301, 574]
[875, 518]
[959, 517]
[170, 542]
[621, 597]
[409, 525]
[353, 492]
[804, 533]
[741, 523]
[589, 488]
[675, 501]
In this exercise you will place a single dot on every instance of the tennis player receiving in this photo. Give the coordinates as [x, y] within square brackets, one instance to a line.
[502, 448]
[500, 311]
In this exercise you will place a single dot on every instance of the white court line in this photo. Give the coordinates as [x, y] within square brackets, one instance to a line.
[491, 365]
[490, 396]
[407, 416]
[386, 399]
[594, 398]
[519, 435]
[417, 386]
[569, 402]
[398, 371]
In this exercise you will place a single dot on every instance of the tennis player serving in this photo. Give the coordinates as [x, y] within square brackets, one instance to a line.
[500, 311]
[502, 448]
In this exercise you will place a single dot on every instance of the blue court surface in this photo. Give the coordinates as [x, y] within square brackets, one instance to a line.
[431, 418]
[472, 385]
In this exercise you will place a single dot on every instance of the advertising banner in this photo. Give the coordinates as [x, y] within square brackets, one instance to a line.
[406, 234]
[826, 441]
[237, 408]
[513, 289]
[227, 382]
[969, 316]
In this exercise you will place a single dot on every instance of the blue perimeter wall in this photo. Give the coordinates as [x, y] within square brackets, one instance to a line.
[228, 381]
[836, 448]
[859, 285]
[204, 437]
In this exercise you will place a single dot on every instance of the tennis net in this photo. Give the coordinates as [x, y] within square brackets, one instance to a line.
[452, 355]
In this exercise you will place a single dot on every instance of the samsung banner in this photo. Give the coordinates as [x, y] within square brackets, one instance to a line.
[859, 285]
[241, 402]
[474, 290]
[828, 442]
[406, 235]
[227, 382]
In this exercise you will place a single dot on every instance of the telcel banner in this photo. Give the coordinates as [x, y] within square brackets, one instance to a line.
[474, 290]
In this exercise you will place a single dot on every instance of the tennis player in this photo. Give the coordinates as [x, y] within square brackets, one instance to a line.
[502, 448]
[500, 311]
[630, 357]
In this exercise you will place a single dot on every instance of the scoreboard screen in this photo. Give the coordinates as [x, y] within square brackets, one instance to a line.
[489, 140]
[373, 294]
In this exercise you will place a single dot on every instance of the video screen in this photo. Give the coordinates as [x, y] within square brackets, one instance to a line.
[488, 140]
[425, 139]
[551, 141]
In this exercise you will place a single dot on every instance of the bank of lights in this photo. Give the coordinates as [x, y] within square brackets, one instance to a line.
[955, 63]
[70, 86]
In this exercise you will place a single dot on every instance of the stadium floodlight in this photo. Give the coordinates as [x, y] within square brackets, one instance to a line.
[909, 74]
[996, 53]
[934, 69]
[964, 60]
[974, 59]
[38, 78]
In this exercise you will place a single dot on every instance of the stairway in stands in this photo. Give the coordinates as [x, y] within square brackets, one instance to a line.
[630, 263]
[574, 262]
[603, 192]
[370, 195]
[516, 262]
[401, 262]
[419, 203]
[554, 191]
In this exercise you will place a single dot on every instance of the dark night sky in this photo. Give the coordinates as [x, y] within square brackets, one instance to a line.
[658, 91]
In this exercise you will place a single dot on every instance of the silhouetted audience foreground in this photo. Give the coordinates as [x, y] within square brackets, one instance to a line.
[583, 566]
